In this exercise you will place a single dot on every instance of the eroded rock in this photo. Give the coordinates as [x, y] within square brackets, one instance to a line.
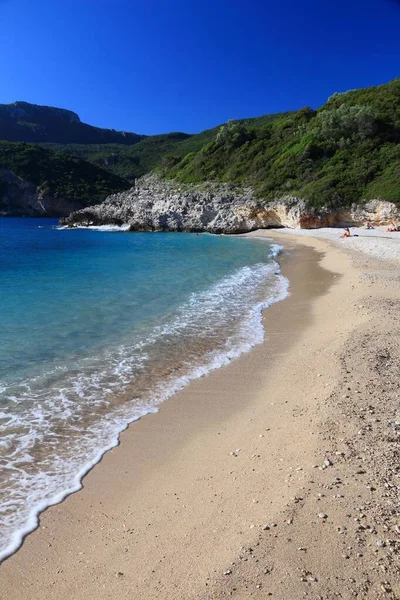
[162, 205]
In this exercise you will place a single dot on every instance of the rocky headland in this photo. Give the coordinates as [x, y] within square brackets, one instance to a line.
[154, 204]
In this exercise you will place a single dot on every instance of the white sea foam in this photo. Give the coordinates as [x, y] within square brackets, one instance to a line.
[73, 413]
[97, 227]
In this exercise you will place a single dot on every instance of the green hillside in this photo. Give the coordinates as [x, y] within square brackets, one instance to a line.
[153, 151]
[129, 162]
[132, 162]
[60, 175]
[346, 151]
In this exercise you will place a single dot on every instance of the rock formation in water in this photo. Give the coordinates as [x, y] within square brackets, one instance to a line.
[162, 205]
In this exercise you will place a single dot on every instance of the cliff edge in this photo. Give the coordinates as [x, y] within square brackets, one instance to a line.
[154, 204]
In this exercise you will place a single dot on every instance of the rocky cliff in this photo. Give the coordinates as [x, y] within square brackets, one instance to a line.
[162, 205]
[19, 198]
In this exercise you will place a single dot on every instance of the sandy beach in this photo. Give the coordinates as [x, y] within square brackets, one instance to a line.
[275, 476]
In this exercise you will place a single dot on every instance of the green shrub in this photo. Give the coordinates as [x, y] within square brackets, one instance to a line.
[345, 152]
[61, 175]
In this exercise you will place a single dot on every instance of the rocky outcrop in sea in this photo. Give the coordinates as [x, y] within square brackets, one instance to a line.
[154, 204]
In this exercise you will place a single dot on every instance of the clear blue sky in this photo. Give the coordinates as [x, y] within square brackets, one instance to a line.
[153, 66]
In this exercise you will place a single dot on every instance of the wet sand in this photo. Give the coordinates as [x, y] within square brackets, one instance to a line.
[180, 509]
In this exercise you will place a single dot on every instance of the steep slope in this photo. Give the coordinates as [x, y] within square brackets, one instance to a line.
[135, 161]
[25, 122]
[35, 181]
[345, 152]
[151, 152]
[75, 165]
[127, 155]
[130, 162]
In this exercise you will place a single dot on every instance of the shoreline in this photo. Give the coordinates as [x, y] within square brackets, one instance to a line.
[165, 514]
[217, 359]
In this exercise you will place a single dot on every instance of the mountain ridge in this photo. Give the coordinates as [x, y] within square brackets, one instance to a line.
[22, 121]
[345, 152]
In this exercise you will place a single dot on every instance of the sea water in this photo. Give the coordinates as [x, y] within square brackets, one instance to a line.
[97, 328]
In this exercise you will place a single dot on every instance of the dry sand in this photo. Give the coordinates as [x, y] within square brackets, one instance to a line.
[377, 243]
[274, 476]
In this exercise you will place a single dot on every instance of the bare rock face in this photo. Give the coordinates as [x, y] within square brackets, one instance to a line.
[379, 212]
[21, 198]
[161, 205]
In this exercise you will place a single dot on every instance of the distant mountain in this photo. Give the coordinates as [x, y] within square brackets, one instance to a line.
[25, 122]
[347, 151]
[127, 155]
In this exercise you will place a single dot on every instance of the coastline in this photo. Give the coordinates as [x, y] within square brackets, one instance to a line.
[166, 513]
[247, 333]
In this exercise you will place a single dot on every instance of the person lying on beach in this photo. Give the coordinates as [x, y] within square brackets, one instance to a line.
[393, 227]
[346, 233]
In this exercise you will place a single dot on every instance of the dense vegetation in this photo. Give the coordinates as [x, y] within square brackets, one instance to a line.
[346, 151]
[134, 161]
[60, 175]
[129, 162]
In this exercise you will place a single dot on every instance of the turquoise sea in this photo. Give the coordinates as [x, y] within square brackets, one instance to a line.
[97, 328]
